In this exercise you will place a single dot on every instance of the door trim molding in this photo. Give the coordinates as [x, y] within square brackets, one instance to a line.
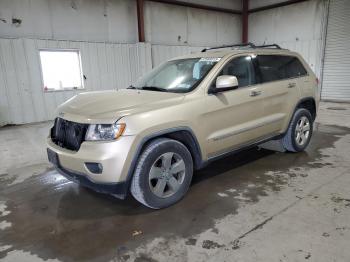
[266, 121]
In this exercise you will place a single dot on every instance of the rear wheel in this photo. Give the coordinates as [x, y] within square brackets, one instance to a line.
[299, 132]
[163, 173]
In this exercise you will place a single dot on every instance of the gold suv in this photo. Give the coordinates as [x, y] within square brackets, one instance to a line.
[147, 139]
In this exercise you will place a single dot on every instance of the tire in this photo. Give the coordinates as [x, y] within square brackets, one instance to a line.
[157, 165]
[291, 141]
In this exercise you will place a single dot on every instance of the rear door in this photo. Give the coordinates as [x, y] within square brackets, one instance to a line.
[281, 79]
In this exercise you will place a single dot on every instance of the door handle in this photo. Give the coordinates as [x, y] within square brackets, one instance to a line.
[291, 85]
[255, 93]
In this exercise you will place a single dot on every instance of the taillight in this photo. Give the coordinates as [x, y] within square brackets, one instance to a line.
[317, 81]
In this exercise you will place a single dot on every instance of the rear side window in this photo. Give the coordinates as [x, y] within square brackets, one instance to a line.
[277, 67]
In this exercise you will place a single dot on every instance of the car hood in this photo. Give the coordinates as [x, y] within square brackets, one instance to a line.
[108, 106]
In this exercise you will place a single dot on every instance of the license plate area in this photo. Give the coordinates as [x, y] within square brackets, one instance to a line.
[53, 157]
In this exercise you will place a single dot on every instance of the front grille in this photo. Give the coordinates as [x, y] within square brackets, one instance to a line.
[68, 134]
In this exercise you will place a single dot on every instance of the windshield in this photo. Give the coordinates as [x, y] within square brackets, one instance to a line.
[179, 76]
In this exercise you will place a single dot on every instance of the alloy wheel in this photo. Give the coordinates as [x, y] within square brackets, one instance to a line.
[302, 131]
[167, 174]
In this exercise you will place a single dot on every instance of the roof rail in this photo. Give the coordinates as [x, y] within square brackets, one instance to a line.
[251, 45]
[268, 46]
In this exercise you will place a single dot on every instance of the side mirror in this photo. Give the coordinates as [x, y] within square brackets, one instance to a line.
[226, 82]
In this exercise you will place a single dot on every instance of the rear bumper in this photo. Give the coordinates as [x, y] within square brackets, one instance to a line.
[118, 190]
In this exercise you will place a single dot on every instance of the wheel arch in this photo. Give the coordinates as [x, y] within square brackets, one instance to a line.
[308, 103]
[183, 134]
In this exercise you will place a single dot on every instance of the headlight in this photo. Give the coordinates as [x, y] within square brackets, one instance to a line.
[104, 132]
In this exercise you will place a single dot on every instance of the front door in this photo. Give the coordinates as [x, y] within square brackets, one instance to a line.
[233, 118]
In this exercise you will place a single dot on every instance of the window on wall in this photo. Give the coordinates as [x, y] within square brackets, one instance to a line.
[61, 69]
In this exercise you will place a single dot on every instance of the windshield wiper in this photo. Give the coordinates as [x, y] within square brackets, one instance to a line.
[131, 87]
[154, 88]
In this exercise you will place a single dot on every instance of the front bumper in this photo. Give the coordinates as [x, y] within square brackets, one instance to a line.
[119, 190]
[115, 157]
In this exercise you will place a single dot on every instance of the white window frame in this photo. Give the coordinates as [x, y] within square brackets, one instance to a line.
[82, 77]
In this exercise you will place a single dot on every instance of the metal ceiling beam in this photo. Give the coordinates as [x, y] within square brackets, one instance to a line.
[281, 4]
[140, 20]
[245, 20]
[198, 6]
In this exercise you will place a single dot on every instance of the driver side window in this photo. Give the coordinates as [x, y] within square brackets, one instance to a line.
[242, 68]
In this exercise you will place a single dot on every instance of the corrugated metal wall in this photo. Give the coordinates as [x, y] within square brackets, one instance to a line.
[106, 66]
[177, 25]
[299, 27]
[94, 27]
[336, 72]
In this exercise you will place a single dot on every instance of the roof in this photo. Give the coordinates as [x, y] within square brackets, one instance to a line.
[229, 52]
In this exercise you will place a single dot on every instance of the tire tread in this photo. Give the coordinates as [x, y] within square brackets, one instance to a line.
[135, 187]
[287, 140]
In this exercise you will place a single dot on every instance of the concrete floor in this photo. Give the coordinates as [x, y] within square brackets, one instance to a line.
[255, 206]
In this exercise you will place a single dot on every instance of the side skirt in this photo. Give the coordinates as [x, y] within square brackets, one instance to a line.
[240, 148]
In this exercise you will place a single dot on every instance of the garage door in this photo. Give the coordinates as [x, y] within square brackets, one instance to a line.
[336, 74]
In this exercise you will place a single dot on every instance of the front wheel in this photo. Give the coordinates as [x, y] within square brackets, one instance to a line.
[163, 173]
[299, 132]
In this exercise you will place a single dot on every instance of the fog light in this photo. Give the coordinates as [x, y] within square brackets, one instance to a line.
[95, 168]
